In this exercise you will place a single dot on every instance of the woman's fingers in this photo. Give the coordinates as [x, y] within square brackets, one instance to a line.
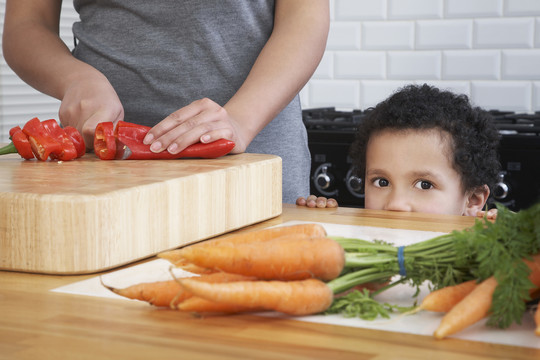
[203, 120]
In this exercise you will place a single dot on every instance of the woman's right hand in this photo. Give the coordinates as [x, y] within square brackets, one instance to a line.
[88, 100]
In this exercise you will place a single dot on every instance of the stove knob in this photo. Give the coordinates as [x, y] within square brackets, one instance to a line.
[501, 189]
[324, 179]
[355, 183]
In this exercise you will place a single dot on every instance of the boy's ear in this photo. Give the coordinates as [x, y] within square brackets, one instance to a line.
[476, 200]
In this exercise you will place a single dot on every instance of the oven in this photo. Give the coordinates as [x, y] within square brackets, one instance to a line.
[331, 133]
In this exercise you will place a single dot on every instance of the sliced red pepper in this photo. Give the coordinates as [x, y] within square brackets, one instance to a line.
[130, 146]
[67, 151]
[13, 130]
[105, 141]
[19, 144]
[20, 140]
[77, 140]
[42, 143]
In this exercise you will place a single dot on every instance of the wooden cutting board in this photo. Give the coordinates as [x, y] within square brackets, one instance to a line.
[89, 215]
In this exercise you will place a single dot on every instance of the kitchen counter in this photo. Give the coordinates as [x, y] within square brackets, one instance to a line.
[36, 323]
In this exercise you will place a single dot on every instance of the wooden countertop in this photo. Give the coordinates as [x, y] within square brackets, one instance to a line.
[38, 324]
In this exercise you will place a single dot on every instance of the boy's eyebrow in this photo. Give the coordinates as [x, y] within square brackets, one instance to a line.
[375, 171]
[416, 174]
[426, 174]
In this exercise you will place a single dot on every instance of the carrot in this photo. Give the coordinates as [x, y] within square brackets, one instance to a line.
[537, 320]
[311, 229]
[475, 306]
[289, 257]
[159, 293]
[302, 297]
[534, 265]
[192, 268]
[200, 305]
[468, 311]
[444, 299]
[170, 292]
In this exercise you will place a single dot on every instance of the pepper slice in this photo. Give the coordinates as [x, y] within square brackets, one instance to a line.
[41, 141]
[130, 146]
[21, 143]
[105, 141]
[67, 151]
[77, 140]
[13, 130]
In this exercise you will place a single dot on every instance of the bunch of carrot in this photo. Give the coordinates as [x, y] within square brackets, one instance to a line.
[299, 270]
[282, 269]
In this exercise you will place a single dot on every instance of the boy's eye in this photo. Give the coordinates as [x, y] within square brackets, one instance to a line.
[381, 182]
[424, 185]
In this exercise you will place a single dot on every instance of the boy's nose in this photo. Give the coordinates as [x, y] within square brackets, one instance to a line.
[397, 201]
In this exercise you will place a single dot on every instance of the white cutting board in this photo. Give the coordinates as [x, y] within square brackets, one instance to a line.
[423, 323]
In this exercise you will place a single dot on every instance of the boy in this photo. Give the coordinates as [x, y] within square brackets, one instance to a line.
[424, 150]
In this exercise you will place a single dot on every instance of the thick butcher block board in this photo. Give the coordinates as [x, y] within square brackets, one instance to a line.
[89, 215]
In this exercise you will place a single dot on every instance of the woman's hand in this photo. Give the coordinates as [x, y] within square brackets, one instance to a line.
[89, 100]
[203, 120]
[313, 201]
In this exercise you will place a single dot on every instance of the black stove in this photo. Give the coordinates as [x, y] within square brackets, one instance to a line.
[331, 133]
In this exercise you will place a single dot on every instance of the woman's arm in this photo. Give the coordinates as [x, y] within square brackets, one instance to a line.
[285, 64]
[33, 48]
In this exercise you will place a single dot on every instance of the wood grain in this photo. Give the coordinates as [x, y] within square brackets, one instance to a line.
[89, 215]
[38, 324]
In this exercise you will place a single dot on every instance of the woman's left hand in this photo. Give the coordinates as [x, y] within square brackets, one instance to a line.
[203, 120]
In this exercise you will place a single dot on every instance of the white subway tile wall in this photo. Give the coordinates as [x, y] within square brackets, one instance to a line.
[486, 49]
[473, 8]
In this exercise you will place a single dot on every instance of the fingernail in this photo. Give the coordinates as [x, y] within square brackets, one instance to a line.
[148, 139]
[205, 138]
[155, 147]
[172, 148]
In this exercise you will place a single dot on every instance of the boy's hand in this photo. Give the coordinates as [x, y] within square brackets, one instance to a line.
[313, 201]
[491, 214]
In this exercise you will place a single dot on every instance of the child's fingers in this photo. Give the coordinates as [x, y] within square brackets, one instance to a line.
[313, 201]
[490, 214]
[331, 203]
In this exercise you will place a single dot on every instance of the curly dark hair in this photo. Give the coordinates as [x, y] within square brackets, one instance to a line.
[474, 138]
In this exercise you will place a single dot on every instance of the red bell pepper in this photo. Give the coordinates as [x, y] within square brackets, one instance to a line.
[77, 140]
[105, 141]
[67, 151]
[130, 146]
[45, 139]
[41, 141]
[13, 130]
[19, 144]
[20, 140]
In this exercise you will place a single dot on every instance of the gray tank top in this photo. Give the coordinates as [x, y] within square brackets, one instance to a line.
[162, 55]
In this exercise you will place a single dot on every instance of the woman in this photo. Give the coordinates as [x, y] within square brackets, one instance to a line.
[194, 70]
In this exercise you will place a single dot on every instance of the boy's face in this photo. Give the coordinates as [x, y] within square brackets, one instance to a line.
[412, 171]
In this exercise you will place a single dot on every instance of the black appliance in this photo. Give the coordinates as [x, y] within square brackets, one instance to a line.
[331, 133]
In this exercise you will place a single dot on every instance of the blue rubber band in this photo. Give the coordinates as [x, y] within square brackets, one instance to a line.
[401, 261]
